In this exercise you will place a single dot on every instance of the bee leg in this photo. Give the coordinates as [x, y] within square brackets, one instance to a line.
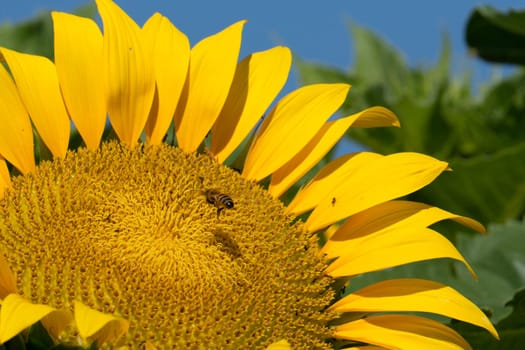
[219, 211]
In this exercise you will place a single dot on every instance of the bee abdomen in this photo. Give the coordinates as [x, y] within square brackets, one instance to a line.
[219, 199]
[225, 200]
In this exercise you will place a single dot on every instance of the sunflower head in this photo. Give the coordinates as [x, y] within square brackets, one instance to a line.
[174, 235]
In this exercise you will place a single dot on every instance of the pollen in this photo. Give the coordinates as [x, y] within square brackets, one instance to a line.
[132, 233]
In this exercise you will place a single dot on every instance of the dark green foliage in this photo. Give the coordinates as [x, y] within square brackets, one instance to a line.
[511, 329]
[16, 343]
[489, 187]
[496, 36]
[38, 338]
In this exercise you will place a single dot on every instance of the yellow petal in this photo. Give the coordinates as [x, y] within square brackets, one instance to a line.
[16, 133]
[7, 279]
[323, 141]
[79, 68]
[37, 83]
[309, 156]
[57, 321]
[414, 295]
[378, 181]
[291, 124]
[280, 345]
[97, 326]
[130, 80]
[387, 216]
[402, 332]
[376, 117]
[212, 67]
[170, 50]
[329, 232]
[328, 178]
[257, 81]
[391, 248]
[17, 313]
[5, 179]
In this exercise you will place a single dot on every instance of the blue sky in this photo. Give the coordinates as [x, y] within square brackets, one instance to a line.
[314, 30]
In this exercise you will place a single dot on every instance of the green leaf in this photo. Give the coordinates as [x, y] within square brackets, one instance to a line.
[16, 343]
[38, 338]
[511, 329]
[499, 260]
[378, 61]
[490, 188]
[312, 73]
[497, 36]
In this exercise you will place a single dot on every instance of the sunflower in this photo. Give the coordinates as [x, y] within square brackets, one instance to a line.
[173, 232]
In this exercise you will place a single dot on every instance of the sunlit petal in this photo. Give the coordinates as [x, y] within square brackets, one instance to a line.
[376, 117]
[37, 83]
[258, 79]
[294, 121]
[322, 142]
[171, 54]
[98, 326]
[402, 332]
[391, 248]
[130, 79]
[310, 155]
[16, 133]
[18, 313]
[212, 67]
[79, 69]
[328, 178]
[414, 295]
[387, 216]
[380, 180]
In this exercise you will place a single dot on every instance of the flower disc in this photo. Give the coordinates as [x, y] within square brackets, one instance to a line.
[132, 233]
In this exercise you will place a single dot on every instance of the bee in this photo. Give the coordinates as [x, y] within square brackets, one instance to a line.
[333, 201]
[219, 200]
